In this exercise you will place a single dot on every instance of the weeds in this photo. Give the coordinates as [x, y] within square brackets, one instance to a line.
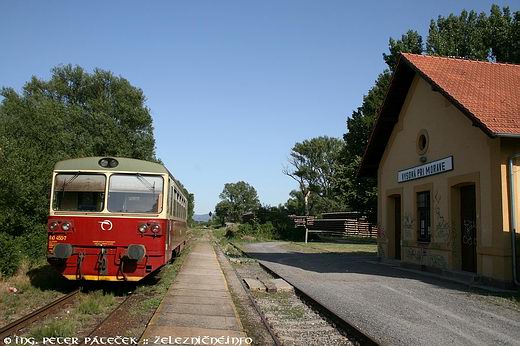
[95, 303]
[56, 328]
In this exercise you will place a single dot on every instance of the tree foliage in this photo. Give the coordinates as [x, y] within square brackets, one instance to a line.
[73, 114]
[237, 199]
[312, 164]
[411, 42]
[477, 36]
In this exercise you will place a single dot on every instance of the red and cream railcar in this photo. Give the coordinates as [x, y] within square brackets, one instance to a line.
[114, 219]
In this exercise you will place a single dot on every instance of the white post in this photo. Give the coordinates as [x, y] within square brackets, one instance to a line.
[306, 233]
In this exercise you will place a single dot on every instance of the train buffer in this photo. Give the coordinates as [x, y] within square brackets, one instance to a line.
[197, 304]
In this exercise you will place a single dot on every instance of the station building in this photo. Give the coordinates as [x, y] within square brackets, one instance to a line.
[441, 150]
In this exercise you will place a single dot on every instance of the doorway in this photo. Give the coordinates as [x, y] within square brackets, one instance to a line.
[397, 227]
[468, 227]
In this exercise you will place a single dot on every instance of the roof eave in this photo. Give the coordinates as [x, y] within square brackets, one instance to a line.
[507, 135]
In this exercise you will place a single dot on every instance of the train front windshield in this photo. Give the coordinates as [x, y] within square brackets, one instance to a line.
[79, 192]
[127, 193]
[135, 193]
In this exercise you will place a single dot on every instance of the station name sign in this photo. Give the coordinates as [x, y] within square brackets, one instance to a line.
[431, 168]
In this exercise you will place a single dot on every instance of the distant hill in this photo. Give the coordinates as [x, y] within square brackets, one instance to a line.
[201, 217]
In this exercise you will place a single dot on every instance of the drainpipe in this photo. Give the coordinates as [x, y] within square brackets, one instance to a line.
[512, 215]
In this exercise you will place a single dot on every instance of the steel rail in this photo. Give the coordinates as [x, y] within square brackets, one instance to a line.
[13, 327]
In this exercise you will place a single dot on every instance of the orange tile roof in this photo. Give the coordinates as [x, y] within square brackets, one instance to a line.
[489, 93]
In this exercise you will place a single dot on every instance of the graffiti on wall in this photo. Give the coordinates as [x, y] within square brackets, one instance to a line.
[437, 261]
[408, 226]
[425, 257]
[442, 230]
[413, 255]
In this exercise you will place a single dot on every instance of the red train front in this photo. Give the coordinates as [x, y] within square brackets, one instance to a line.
[114, 219]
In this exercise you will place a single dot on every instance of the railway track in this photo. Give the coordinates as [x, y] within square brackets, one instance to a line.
[352, 331]
[99, 328]
[14, 327]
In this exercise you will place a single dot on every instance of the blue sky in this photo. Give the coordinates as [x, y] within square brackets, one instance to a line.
[231, 85]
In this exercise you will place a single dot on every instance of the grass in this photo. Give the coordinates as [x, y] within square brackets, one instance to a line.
[56, 328]
[34, 288]
[219, 233]
[197, 232]
[357, 246]
[365, 249]
[95, 303]
[88, 308]
[253, 237]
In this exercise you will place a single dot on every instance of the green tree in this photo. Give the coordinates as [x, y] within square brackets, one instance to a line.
[312, 164]
[222, 212]
[191, 208]
[73, 114]
[411, 42]
[237, 199]
[477, 36]
[360, 193]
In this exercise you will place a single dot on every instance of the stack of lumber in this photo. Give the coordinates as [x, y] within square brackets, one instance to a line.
[349, 224]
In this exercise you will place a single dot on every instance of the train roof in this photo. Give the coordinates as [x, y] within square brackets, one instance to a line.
[124, 164]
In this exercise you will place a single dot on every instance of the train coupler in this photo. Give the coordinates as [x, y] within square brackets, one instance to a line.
[79, 263]
[102, 262]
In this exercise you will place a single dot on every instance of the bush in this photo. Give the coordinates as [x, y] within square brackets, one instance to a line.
[265, 231]
[246, 229]
[33, 244]
[10, 256]
[231, 231]
[260, 231]
[283, 225]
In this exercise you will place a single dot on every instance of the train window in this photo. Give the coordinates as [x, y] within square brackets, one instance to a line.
[79, 192]
[171, 200]
[135, 193]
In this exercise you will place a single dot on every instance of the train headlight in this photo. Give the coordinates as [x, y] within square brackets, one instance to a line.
[53, 226]
[156, 228]
[142, 228]
[108, 162]
[65, 226]
[112, 163]
[103, 163]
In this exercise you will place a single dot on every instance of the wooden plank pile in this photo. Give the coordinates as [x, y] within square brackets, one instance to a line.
[343, 224]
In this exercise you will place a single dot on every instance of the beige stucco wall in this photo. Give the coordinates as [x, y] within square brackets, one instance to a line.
[477, 159]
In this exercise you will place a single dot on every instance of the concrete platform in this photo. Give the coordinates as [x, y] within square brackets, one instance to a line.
[198, 303]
